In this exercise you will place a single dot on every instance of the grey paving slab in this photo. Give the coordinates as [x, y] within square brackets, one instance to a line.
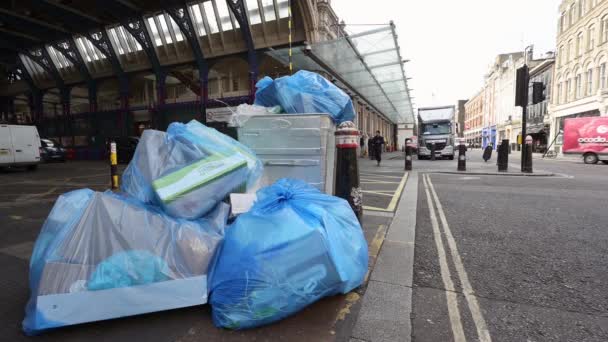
[385, 313]
[395, 264]
[403, 227]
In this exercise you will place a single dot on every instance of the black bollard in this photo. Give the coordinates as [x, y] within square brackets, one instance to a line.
[527, 157]
[408, 155]
[433, 151]
[503, 156]
[462, 156]
[347, 184]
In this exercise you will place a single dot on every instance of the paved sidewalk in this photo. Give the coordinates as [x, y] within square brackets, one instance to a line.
[387, 303]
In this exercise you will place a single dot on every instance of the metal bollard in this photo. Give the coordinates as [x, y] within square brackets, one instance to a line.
[347, 184]
[462, 156]
[503, 156]
[432, 151]
[527, 160]
[113, 166]
[408, 155]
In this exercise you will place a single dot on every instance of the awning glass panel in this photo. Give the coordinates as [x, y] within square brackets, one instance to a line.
[369, 63]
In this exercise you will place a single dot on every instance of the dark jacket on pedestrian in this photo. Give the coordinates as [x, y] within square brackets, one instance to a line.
[487, 153]
[377, 143]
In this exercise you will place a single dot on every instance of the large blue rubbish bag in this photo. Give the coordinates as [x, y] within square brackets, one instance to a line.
[295, 246]
[103, 255]
[189, 169]
[305, 92]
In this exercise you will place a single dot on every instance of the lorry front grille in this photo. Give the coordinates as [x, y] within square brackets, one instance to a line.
[438, 146]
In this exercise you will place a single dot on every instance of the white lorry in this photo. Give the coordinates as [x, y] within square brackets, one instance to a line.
[436, 127]
[19, 146]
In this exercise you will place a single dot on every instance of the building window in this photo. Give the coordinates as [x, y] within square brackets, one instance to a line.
[562, 22]
[605, 29]
[589, 82]
[579, 44]
[579, 86]
[581, 8]
[569, 52]
[235, 84]
[568, 89]
[571, 15]
[559, 93]
[591, 40]
[603, 76]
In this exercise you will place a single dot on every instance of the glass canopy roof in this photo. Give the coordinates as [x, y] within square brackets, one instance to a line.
[369, 63]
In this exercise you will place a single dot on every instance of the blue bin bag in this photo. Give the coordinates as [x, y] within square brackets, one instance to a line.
[189, 169]
[295, 246]
[103, 255]
[305, 92]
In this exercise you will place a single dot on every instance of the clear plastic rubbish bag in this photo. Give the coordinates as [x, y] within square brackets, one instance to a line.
[189, 169]
[295, 246]
[305, 92]
[103, 255]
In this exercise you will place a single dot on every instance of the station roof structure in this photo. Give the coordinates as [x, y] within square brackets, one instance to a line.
[369, 63]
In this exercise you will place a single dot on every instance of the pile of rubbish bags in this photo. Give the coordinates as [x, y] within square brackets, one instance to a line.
[305, 92]
[164, 241]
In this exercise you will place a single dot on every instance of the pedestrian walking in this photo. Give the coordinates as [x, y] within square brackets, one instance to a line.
[487, 153]
[370, 148]
[376, 145]
[362, 144]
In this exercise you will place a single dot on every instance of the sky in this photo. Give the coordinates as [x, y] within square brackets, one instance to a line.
[452, 43]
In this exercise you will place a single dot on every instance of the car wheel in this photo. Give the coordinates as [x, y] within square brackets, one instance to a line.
[451, 157]
[32, 167]
[591, 158]
[605, 162]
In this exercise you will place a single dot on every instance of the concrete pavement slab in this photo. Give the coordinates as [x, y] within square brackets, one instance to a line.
[395, 263]
[385, 313]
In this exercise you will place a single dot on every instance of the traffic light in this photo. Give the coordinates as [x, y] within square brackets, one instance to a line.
[521, 88]
[538, 92]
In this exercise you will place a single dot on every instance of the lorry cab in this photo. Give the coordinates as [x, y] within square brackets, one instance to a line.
[19, 146]
[435, 132]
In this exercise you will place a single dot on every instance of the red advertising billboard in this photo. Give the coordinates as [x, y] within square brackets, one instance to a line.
[586, 135]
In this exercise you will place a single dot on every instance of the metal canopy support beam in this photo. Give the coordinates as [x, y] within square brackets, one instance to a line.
[72, 18]
[41, 57]
[184, 21]
[137, 28]
[101, 41]
[35, 27]
[240, 14]
[19, 72]
[70, 51]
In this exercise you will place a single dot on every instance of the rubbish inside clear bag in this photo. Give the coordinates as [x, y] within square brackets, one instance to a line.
[295, 246]
[189, 169]
[103, 250]
[305, 92]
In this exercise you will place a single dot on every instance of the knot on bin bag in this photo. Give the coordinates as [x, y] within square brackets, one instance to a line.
[281, 193]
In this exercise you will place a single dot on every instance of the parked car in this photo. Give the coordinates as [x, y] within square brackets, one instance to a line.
[19, 146]
[51, 150]
[125, 148]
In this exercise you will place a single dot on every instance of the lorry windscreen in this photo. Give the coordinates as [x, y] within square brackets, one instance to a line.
[436, 128]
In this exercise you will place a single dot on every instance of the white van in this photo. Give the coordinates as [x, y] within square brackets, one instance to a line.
[19, 146]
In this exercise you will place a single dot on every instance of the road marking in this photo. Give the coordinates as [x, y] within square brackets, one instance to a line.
[379, 176]
[377, 182]
[393, 204]
[397, 195]
[450, 294]
[377, 193]
[480, 323]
